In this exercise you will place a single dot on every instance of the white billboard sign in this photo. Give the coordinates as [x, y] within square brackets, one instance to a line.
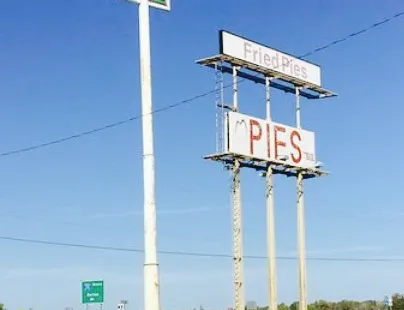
[261, 140]
[159, 4]
[269, 58]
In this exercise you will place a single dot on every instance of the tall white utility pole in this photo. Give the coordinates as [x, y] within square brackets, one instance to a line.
[239, 302]
[151, 274]
[301, 230]
[273, 304]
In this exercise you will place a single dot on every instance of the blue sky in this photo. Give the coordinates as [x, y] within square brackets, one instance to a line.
[70, 66]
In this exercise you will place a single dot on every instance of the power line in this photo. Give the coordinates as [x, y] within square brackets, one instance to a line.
[354, 34]
[200, 254]
[194, 98]
[105, 127]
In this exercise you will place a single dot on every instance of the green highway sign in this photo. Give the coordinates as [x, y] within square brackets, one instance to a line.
[161, 4]
[92, 292]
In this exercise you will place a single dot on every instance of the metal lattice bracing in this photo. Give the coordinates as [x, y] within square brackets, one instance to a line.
[239, 302]
[219, 108]
[301, 244]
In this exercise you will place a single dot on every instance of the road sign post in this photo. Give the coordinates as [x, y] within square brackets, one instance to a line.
[151, 274]
[92, 292]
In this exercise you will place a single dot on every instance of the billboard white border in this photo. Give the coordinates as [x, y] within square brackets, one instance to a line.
[285, 76]
[237, 144]
[166, 7]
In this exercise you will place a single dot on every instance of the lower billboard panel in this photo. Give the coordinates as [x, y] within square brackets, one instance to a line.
[261, 140]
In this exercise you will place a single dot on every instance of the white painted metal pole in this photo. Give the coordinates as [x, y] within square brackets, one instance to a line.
[301, 230]
[235, 89]
[239, 303]
[151, 276]
[268, 97]
[271, 248]
[297, 93]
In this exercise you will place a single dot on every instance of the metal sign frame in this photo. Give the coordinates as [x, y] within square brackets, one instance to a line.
[164, 5]
[249, 72]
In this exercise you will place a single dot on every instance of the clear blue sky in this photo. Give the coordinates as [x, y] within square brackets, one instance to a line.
[70, 66]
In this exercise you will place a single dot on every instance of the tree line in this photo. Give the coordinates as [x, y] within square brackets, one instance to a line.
[397, 299]
[398, 304]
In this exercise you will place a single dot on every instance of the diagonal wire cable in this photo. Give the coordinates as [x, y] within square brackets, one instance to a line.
[200, 254]
[354, 34]
[105, 127]
[191, 99]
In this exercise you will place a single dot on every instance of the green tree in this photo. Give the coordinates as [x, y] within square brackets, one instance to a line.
[370, 305]
[283, 306]
[2, 307]
[347, 305]
[321, 305]
[294, 306]
[398, 302]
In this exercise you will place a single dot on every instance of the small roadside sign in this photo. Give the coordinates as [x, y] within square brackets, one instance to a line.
[92, 292]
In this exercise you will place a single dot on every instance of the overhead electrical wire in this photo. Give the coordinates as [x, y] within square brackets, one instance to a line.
[200, 254]
[102, 128]
[192, 99]
[354, 34]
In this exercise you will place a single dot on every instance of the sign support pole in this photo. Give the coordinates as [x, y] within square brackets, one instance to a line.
[237, 218]
[301, 230]
[273, 305]
[151, 276]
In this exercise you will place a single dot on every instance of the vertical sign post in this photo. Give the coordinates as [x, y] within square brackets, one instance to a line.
[237, 218]
[301, 230]
[151, 275]
[273, 304]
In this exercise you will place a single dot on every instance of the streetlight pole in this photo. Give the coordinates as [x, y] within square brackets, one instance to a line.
[151, 275]
[273, 304]
[301, 229]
